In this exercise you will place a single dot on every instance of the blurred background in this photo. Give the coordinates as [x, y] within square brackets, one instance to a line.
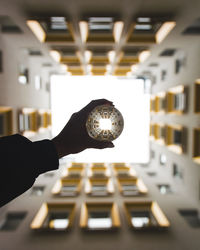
[55, 57]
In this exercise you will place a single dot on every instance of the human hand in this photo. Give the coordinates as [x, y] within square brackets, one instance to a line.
[74, 137]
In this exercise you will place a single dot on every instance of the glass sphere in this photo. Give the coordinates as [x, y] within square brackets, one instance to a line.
[105, 123]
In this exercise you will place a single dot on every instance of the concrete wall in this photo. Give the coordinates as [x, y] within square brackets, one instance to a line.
[189, 46]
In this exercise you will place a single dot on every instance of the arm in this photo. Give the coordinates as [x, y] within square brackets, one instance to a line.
[22, 160]
[21, 163]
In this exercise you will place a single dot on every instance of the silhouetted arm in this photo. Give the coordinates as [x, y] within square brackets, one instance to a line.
[21, 162]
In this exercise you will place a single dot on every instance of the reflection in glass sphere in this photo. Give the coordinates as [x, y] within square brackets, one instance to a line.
[105, 123]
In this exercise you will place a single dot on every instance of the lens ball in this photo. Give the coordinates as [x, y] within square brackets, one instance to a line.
[105, 123]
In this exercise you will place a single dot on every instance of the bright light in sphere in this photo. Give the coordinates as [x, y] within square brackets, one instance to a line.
[105, 124]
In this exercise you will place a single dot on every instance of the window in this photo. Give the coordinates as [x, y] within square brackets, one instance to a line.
[163, 75]
[49, 174]
[142, 219]
[145, 214]
[130, 189]
[102, 24]
[98, 170]
[38, 82]
[197, 96]
[131, 186]
[12, 221]
[1, 61]
[67, 187]
[54, 217]
[124, 172]
[193, 29]
[99, 186]
[58, 220]
[180, 101]
[168, 52]
[58, 24]
[163, 159]
[8, 25]
[23, 76]
[196, 145]
[164, 188]
[74, 172]
[153, 31]
[191, 216]
[99, 220]
[1, 125]
[6, 123]
[152, 154]
[37, 190]
[99, 216]
[151, 174]
[177, 171]
[177, 99]
[153, 64]
[178, 66]
[176, 138]
[27, 119]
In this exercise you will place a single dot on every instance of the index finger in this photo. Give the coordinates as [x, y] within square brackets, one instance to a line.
[96, 103]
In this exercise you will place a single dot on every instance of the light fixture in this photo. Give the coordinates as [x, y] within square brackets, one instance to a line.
[117, 30]
[164, 31]
[83, 25]
[88, 56]
[37, 30]
[144, 19]
[105, 123]
[143, 26]
[111, 56]
[144, 55]
[55, 55]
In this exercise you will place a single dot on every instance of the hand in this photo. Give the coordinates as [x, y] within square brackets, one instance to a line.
[74, 137]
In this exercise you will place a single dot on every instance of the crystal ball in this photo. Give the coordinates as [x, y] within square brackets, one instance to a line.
[105, 123]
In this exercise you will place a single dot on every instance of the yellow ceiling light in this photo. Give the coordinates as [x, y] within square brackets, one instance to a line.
[111, 56]
[37, 30]
[55, 55]
[88, 56]
[164, 31]
[117, 30]
[144, 55]
[83, 25]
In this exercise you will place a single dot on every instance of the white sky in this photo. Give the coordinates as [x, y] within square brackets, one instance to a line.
[70, 93]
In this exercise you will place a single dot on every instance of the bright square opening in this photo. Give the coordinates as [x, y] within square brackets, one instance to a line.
[69, 94]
